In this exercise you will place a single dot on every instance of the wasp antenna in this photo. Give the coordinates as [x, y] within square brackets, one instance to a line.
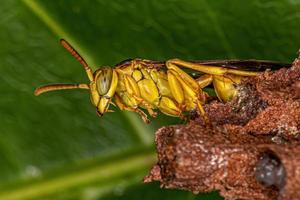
[53, 87]
[73, 52]
[78, 57]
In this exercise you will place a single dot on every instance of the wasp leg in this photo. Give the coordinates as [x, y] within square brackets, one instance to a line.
[194, 96]
[170, 107]
[122, 106]
[185, 89]
[204, 80]
[134, 90]
[225, 89]
[140, 112]
[187, 78]
[176, 88]
[148, 89]
[214, 70]
[148, 107]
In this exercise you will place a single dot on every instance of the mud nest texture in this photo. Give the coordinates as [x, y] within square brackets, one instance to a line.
[249, 151]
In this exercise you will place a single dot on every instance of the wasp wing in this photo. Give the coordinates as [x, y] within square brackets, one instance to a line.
[247, 65]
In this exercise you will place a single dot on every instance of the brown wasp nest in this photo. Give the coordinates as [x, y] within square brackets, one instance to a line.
[249, 151]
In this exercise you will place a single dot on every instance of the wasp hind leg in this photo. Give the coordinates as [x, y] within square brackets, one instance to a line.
[204, 80]
[186, 90]
[170, 107]
[223, 79]
[214, 70]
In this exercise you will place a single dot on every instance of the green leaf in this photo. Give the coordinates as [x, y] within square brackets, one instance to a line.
[55, 146]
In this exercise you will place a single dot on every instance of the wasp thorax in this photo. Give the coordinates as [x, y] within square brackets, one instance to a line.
[103, 81]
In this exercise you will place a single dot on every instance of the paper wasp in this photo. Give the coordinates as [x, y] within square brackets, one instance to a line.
[136, 83]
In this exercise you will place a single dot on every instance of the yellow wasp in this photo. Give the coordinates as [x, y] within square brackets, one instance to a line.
[164, 85]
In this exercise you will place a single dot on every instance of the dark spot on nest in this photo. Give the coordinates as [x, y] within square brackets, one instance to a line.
[270, 171]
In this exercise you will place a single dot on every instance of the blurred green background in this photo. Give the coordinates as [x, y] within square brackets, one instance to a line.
[54, 146]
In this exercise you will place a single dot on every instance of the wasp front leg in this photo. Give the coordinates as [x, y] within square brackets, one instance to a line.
[147, 106]
[122, 106]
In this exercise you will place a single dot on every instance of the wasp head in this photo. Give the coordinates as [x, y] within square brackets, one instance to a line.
[103, 82]
[103, 88]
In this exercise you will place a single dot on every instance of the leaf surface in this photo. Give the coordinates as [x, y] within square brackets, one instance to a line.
[55, 146]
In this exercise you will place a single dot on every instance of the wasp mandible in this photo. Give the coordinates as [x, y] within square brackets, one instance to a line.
[137, 83]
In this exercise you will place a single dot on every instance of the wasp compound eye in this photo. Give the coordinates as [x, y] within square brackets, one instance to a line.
[270, 171]
[104, 81]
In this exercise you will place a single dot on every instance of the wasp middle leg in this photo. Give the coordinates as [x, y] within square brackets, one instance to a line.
[135, 90]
